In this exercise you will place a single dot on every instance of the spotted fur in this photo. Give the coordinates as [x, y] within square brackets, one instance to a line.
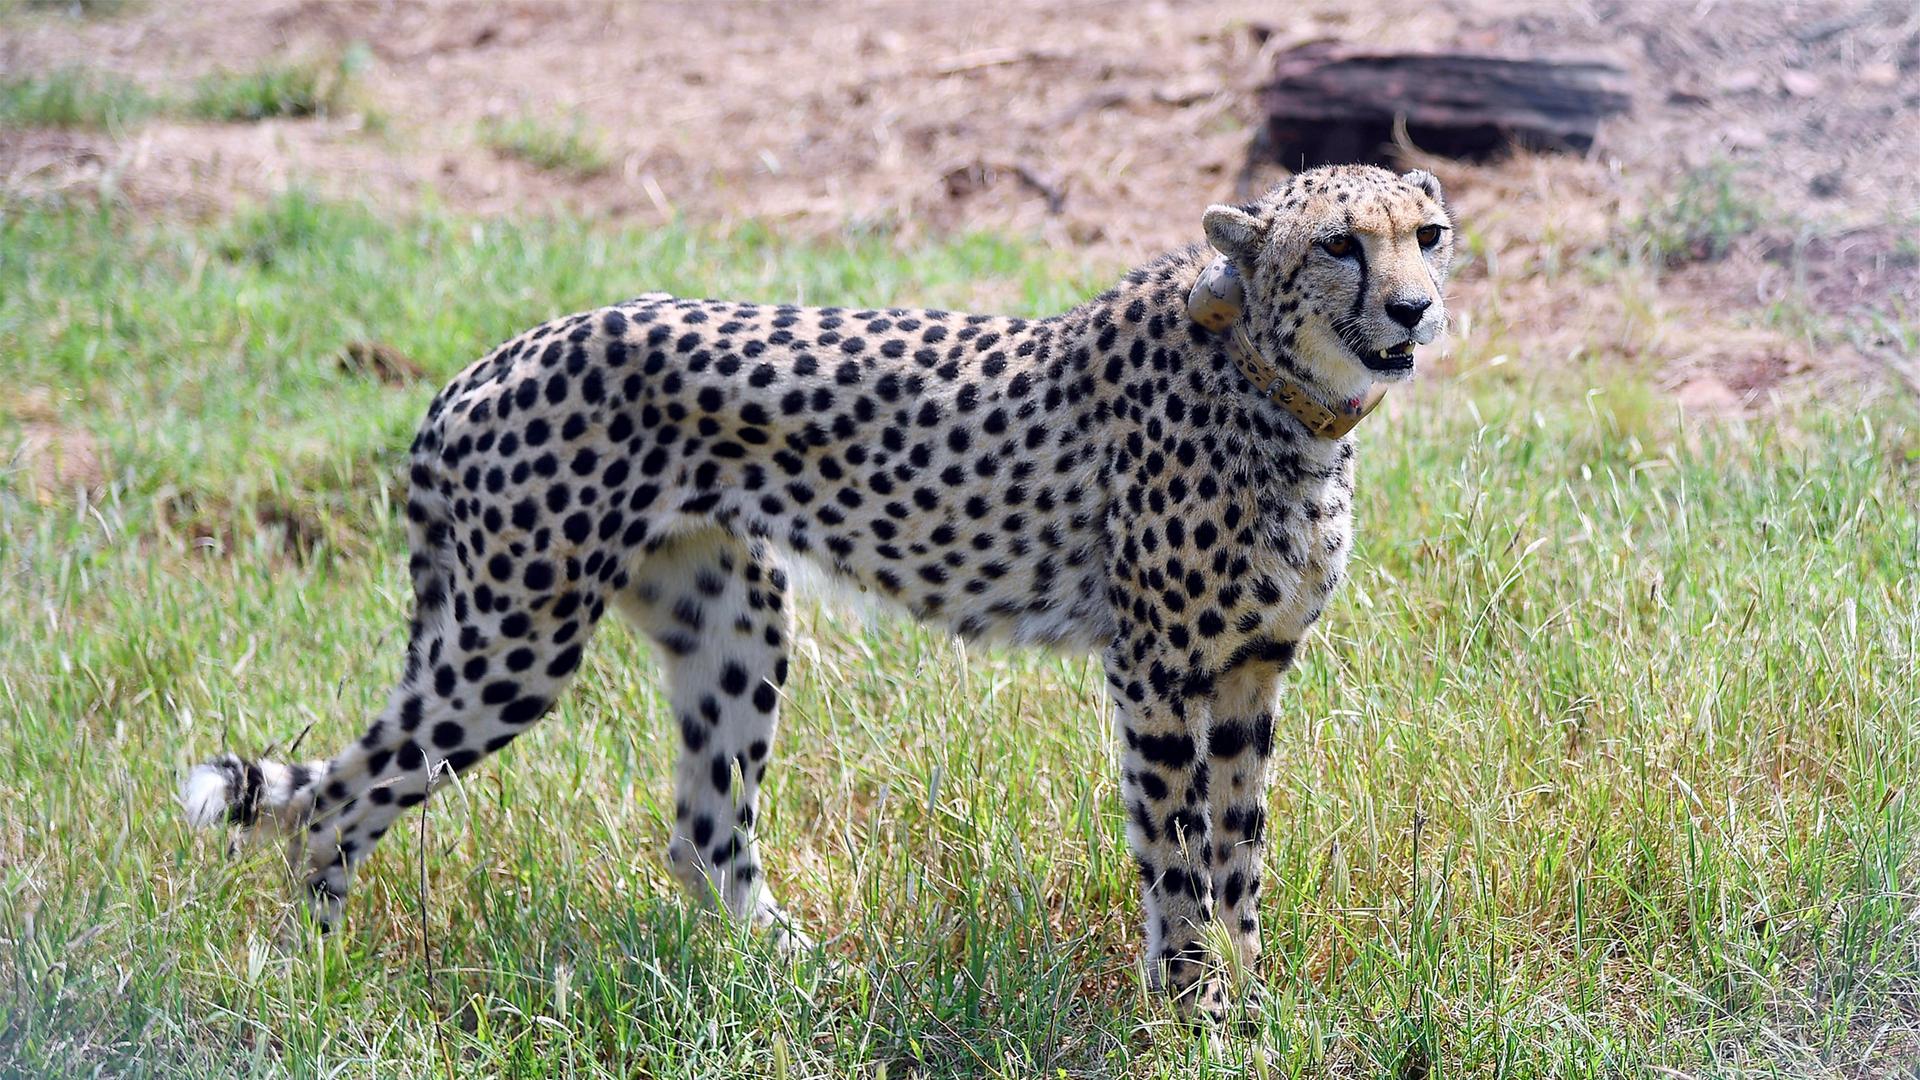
[1101, 480]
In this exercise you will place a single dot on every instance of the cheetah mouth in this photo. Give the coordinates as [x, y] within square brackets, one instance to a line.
[1393, 358]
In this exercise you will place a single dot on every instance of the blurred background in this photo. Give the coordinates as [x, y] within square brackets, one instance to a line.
[1742, 226]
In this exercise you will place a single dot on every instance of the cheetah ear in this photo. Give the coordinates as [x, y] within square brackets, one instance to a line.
[1232, 231]
[1426, 182]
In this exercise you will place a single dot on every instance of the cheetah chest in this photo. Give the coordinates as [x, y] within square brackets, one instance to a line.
[1305, 537]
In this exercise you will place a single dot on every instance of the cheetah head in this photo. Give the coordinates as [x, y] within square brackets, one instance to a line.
[1343, 270]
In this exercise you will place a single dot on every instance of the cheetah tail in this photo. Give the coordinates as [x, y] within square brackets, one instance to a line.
[238, 791]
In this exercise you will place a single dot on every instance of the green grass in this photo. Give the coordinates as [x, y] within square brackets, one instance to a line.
[74, 97]
[77, 9]
[311, 88]
[1708, 210]
[569, 150]
[1599, 768]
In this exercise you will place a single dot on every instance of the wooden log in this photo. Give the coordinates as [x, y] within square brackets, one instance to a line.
[1330, 103]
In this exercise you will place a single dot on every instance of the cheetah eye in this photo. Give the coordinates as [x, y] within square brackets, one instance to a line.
[1428, 235]
[1340, 247]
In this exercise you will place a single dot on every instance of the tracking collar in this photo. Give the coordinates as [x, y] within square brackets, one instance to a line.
[1215, 303]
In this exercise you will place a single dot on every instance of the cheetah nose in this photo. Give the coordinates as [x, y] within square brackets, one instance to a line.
[1407, 312]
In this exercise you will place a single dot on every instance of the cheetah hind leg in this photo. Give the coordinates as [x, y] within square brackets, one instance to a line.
[473, 682]
[718, 610]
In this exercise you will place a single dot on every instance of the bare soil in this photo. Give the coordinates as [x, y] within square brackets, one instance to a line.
[1102, 129]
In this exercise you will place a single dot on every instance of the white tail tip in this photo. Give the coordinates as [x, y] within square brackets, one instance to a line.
[203, 794]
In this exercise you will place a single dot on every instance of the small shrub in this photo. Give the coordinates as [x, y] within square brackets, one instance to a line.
[265, 235]
[1708, 213]
[79, 9]
[569, 151]
[312, 88]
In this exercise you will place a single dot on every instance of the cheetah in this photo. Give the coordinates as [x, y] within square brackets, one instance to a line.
[1162, 475]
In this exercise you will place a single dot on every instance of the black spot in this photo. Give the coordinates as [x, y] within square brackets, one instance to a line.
[523, 710]
[1228, 740]
[564, 663]
[410, 757]
[1170, 751]
[1151, 783]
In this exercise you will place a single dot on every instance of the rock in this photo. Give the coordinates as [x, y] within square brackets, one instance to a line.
[1802, 84]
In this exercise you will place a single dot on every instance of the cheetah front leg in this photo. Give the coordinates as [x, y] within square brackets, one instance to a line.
[1239, 748]
[1164, 781]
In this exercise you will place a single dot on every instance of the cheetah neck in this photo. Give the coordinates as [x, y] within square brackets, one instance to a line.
[1327, 420]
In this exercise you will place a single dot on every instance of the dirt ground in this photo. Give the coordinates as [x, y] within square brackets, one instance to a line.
[1104, 129]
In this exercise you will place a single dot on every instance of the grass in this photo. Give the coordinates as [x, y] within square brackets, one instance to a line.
[1709, 210]
[74, 97]
[77, 9]
[308, 88]
[570, 150]
[1599, 768]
